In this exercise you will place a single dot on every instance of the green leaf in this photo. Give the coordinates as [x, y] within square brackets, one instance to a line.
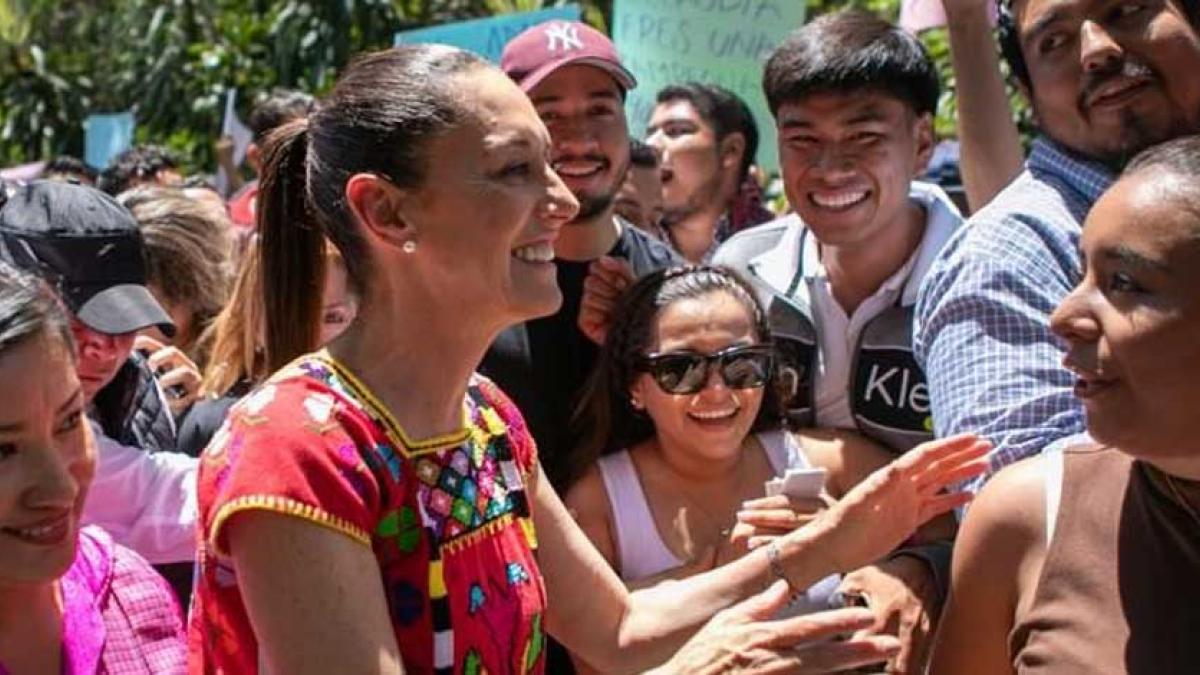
[14, 22]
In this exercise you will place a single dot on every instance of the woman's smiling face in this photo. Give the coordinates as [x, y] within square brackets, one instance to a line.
[46, 460]
[715, 420]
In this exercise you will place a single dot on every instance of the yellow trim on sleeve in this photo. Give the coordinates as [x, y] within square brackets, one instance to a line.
[287, 507]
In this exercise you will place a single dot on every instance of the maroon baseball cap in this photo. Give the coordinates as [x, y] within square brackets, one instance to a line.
[542, 49]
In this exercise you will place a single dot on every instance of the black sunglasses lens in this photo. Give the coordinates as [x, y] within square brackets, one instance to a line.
[746, 370]
[683, 374]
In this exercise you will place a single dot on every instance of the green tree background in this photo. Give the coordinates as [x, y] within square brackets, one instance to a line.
[172, 61]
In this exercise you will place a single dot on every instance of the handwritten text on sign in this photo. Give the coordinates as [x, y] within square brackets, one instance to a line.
[724, 42]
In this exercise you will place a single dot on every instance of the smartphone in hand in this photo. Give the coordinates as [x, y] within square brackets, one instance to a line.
[798, 483]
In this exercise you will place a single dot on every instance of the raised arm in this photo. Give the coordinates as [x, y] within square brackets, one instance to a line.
[621, 632]
[990, 145]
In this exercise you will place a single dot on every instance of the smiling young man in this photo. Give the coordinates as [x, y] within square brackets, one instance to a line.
[573, 76]
[841, 274]
[708, 140]
[853, 99]
[1106, 79]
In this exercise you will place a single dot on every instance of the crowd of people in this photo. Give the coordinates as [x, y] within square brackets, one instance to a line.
[469, 380]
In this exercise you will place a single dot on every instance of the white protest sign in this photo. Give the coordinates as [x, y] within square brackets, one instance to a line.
[240, 134]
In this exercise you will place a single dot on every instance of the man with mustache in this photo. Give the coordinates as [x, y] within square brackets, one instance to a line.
[1106, 79]
[577, 83]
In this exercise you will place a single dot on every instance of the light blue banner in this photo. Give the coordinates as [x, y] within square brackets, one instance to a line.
[725, 43]
[486, 37]
[106, 136]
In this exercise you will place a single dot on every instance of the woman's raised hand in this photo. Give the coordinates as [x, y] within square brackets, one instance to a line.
[882, 511]
[748, 639]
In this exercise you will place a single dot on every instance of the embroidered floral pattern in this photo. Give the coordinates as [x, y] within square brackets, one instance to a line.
[447, 519]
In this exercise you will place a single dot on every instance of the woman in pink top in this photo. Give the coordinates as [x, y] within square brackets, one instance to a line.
[71, 601]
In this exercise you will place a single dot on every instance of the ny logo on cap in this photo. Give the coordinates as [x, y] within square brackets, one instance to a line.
[563, 36]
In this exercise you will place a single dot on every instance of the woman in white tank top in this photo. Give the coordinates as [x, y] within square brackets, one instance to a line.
[682, 426]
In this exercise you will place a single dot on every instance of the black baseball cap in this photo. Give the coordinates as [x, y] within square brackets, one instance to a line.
[88, 247]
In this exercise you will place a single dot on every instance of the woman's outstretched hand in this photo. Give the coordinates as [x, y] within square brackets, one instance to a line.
[886, 508]
[746, 638]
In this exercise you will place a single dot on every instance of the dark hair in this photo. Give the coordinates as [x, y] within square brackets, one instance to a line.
[277, 108]
[722, 110]
[847, 51]
[1009, 36]
[1010, 42]
[135, 165]
[69, 167]
[1179, 157]
[605, 419]
[379, 118]
[29, 308]
[642, 155]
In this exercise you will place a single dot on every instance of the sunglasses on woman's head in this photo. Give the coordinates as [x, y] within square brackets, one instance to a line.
[741, 367]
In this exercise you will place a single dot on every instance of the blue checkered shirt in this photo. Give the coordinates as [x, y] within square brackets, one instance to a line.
[983, 316]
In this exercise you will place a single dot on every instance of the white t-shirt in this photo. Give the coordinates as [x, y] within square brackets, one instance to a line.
[837, 334]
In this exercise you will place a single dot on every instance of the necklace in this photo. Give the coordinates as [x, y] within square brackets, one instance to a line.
[1179, 497]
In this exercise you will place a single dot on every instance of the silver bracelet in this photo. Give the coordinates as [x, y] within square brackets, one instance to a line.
[776, 566]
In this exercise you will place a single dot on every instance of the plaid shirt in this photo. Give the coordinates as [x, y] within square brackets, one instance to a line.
[983, 317]
[119, 616]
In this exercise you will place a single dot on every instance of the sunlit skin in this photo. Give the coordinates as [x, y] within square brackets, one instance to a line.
[1111, 77]
[583, 109]
[848, 160]
[46, 461]
[1132, 323]
[100, 356]
[691, 167]
[489, 197]
[1130, 328]
[704, 430]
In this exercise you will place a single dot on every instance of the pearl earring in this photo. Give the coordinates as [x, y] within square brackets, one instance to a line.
[409, 247]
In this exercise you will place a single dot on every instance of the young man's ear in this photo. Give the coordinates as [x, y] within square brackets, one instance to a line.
[732, 149]
[926, 140]
[378, 205]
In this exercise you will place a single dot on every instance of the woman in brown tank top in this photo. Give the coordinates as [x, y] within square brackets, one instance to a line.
[1089, 561]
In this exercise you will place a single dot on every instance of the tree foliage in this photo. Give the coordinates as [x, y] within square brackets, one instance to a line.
[172, 61]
